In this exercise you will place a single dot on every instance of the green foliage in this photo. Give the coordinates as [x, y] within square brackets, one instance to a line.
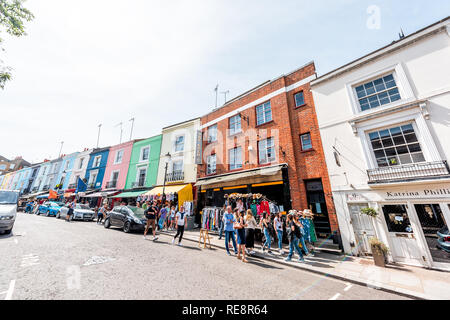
[370, 212]
[378, 246]
[12, 18]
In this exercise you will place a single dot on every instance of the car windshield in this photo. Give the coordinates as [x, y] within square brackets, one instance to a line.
[82, 207]
[135, 211]
[8, 197]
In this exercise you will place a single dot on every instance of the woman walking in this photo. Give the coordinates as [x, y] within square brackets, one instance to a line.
[172, 215]
[278, 224]
[180, 223]
[250, 232]
[240, 229]
[265, 224]
[294, 235]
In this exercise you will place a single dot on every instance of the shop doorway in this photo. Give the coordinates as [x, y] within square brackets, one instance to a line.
[362, 227]
[316, 202]
[435, 230]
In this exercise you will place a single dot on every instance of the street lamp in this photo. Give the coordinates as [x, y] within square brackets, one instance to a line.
[167, 160]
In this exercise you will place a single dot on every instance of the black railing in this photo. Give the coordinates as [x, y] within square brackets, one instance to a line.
[138, 184]
[111, 184]
[408, 172]
[72, 186]
[91, 185]
[175, 176]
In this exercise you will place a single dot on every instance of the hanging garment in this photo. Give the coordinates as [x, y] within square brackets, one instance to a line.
[254, 209]
[306, 227]
[312, 231]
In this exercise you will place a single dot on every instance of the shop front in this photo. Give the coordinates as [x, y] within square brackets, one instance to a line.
[176, 195]
[412, 220]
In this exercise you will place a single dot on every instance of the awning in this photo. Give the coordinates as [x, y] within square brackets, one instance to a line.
[42, 196]
[68, 194]
[129, 194]
[33, 195]
[168, 189]
[250, 176]
[100, 194]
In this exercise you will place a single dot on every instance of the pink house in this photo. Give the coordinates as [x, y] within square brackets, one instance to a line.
[117, 166]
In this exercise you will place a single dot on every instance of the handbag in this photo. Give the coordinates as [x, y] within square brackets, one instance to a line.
[237, 225]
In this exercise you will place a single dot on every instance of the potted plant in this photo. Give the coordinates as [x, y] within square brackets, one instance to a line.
[370, 212]
[379, 252]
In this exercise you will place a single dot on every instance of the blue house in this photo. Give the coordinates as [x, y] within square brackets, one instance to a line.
[65, 170]
[96, 167]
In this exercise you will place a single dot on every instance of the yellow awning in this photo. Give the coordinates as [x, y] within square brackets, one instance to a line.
[168, 189]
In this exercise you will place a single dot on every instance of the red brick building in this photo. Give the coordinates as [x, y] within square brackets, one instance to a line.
[267, 141]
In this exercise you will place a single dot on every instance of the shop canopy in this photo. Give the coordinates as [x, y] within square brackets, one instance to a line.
[33, 195]
[100, 194]
[129, 194]
[42, 196]
[184, 192]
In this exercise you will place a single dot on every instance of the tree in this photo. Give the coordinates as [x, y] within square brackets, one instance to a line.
[12, 18]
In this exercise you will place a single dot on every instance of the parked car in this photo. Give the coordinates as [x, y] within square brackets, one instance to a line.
[50, 208]
[80, 212]
[444, 239]
[128, 218]
[8, 210]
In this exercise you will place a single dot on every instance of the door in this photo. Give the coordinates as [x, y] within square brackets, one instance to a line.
[316, 202]
[362, 227]
[404, 245]
[115, 216]
[434, 227]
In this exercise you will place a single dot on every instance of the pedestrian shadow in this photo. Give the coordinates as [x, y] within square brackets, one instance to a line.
[318, 264]
[252, 261]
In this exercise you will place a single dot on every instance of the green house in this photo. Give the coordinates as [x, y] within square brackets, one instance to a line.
[144, 162]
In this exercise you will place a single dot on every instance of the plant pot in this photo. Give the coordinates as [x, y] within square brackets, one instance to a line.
[378, 258]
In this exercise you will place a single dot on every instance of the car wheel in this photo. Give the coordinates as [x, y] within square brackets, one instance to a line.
[58, 215]
[107, 223]
[8, 231]
[127, 227]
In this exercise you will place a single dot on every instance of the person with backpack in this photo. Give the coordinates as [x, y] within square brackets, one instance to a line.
[267, 228]
[180, 224]
[151, 214]
[294, 235]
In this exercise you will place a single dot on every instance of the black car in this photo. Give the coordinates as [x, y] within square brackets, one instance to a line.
[128, 218]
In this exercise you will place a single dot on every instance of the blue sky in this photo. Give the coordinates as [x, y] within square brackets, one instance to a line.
[88, 62]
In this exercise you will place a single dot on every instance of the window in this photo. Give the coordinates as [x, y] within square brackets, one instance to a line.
[396, 146]
[211, 164]
[81, 163]
[377, 92]
[299, 99]
[11, 166]
[119, 156]
[92, 177]
[142, 173]
[114, 177]
[2, 166]
[235, 158]
[212, 133]
[305, 139]
[179, 143]
[263, 113]
[97, 160]
[266, 150]
[67, 165]
[235, 124]
[145, 152]
[177, 166]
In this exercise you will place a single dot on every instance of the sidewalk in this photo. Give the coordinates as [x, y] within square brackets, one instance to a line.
[410, 281]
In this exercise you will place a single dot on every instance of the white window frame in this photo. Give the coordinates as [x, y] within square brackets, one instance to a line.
[177, 161]
[235, 157]
[264, 113]
[138, 170]
[66, 167]
[112, 174]
[175, 143]
[208, 158]
[209, 135]
[91, 174]
[142, 153]
[94, 165]
[401, 80]
[80, 163]
[267, 158]
[116, 154]
[233, 131]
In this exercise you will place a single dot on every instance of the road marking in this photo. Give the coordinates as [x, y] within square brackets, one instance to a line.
[98, 260]
[29, 260]
[16, 241]
[10, 290]
[335, 297]
[348, 287]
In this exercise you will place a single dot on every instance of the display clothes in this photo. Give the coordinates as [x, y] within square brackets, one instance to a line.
[188, 207]
[211, 218]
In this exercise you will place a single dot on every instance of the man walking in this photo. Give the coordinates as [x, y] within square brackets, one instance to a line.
[229, 220]
[180, 223]
[151, 213]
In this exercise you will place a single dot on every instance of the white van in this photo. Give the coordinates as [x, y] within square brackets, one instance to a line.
[8, 209]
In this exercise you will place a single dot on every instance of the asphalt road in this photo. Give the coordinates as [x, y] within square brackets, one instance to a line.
[46, 258]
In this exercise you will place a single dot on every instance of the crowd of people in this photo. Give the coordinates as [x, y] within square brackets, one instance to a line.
[239, 227]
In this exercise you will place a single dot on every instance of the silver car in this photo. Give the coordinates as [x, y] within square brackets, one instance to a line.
[80, 212]
[8, 209]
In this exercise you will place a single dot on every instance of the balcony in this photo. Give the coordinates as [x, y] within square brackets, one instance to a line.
[91, 185]
[409, 172]
[111, 184]
[46, 188]
[35, 189]
[138, 184]
[175, 176]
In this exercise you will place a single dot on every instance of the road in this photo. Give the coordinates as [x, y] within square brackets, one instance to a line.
[47, 258]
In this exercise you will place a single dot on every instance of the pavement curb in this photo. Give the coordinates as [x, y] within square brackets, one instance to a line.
[378, 286]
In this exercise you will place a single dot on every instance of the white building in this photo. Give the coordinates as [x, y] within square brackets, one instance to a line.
[384, 120]
[79, 168]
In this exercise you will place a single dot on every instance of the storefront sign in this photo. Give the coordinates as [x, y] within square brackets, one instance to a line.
[423, 193]
[355, 197]
[198, 148]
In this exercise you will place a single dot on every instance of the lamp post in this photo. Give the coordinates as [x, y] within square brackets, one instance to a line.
[167, 160]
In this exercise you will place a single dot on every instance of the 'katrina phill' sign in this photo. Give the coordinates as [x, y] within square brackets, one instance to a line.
[425, 193]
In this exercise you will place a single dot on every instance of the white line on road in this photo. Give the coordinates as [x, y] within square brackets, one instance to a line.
[348, 287]
[29, 260]
[16, 241]
[335, 297]
[10, 290]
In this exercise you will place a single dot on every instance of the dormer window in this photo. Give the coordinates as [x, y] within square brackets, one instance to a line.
[377, 92]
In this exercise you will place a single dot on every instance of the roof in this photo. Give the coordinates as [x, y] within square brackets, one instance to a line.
[180, 123]
[395, 45]
[3, 159]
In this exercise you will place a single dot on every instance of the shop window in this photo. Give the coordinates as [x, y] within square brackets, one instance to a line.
[299, 99]
[212, 133]
[306, 141]
[378, 92]
[397, 218]
[396, 146]
[266, 150]
[263, 113]
[235, 124]
[211, 164]
[235, 158]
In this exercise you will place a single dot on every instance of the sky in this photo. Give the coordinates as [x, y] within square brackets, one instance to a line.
[85, 62]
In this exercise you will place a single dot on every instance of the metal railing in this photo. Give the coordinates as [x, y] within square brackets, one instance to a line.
[408, 172]
[111, 184]
[138, 184]
[175, 176]
[91, 185]
[72, 186]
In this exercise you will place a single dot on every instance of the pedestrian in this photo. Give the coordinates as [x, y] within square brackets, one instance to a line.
[240, 225]
[138, 204]
[301, 240]
[145, 205]
[172, 217]
[180, 223]
[229, 220]
[294, 236]
[151, 213]
[162, 217]
[278, 225]
[266, 226]
[250, 232]
[70, 211]
[102, 213]
[221, 224]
